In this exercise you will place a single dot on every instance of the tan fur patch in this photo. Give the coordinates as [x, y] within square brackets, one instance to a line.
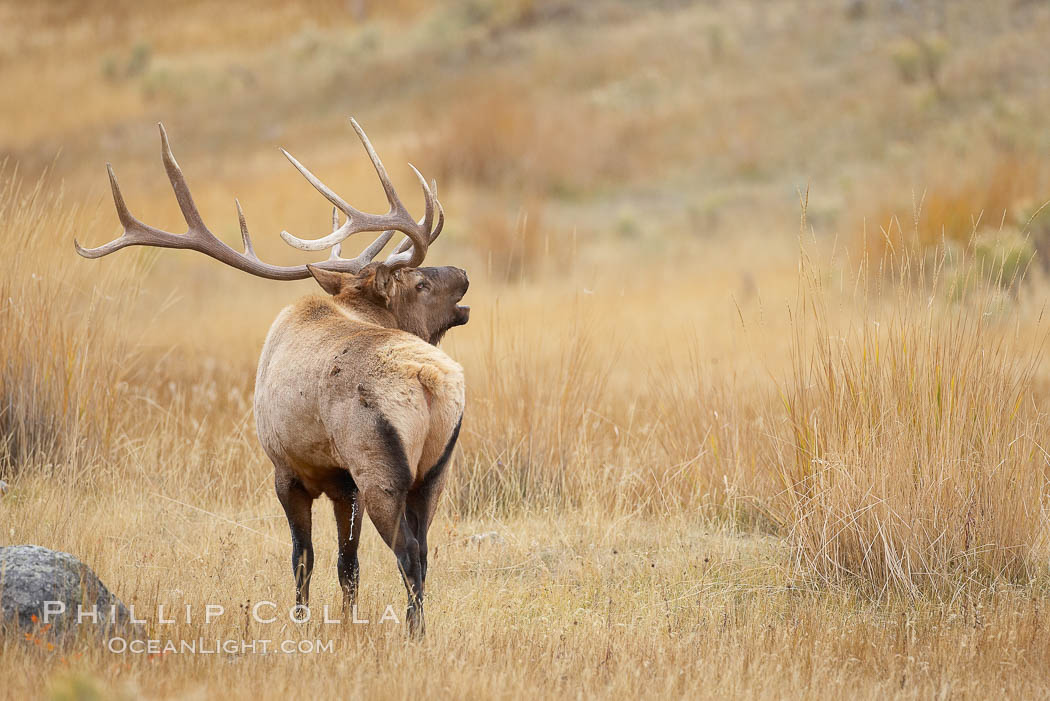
[413, 358]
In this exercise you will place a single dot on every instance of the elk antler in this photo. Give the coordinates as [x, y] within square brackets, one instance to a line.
[419, 234]
[199, 238]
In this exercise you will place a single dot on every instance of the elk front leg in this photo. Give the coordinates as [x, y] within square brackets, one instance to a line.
[298, 504]
[348, 519]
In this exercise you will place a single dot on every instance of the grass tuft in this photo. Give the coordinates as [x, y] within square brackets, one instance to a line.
[65, 350]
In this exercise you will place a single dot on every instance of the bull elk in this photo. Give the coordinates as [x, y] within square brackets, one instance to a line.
[353, 399]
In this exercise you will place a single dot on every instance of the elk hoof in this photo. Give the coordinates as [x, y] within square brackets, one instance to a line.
[416, 625]
[301, 613]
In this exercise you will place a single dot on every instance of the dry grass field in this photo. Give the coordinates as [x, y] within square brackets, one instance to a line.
[756, 399]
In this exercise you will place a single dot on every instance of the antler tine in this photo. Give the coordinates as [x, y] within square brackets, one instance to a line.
[406, 243]
[335, 199]
[388, 187]
[123, 213]
[338, 248]
[126, 220]
[245, 236]
[428, 200]
[182, 191]
[440, 223]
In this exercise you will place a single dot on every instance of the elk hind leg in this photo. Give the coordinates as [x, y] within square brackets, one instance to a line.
[422, 501]
[383, 492]
[387, 511]
[298, 506]
[348, 518]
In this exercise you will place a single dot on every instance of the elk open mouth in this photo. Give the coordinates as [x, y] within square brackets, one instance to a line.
[462, 314]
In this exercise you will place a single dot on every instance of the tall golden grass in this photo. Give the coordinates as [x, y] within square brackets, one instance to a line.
[912, 460]
[66, 350]
[1004, 192]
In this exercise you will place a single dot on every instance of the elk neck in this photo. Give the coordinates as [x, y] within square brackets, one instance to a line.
[360, 309]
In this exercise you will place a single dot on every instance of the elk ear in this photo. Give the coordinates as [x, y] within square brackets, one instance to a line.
[383, 283]
[331, 282]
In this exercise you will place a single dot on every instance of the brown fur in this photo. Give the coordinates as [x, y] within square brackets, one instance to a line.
[354, 400]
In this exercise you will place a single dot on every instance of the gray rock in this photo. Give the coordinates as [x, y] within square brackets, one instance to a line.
[31, 575]
[3, 488]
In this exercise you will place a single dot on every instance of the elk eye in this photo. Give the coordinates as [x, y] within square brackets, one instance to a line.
[421, 286]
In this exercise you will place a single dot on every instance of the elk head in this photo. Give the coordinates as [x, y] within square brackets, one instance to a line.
[422, 301]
